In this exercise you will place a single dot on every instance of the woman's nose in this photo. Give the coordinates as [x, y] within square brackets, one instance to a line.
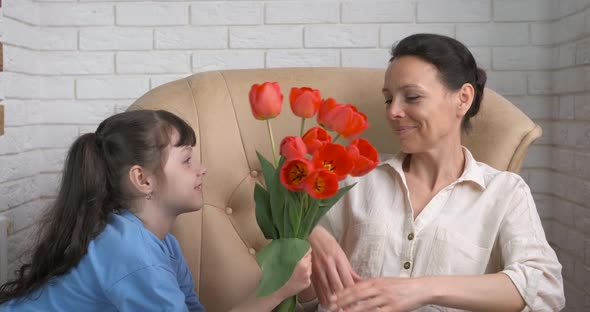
[394, 110]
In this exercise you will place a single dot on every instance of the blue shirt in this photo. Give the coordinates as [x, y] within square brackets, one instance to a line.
[127, 268]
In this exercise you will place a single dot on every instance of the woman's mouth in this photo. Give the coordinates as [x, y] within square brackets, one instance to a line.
[403, 130]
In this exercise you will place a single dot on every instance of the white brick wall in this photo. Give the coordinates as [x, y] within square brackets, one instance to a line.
[152, 14]
[378, 12]
[325, 12]
[71, 63]
[159, 62]
[227, 59]
[341, 36]
[190, 38]
[68, 14]
[504, 34]
[390, 34]
[302, 58]
[227, 13]
[454, 11]
[116, 38]
[525, 10]
[570, 159]
[111, 87]
[76, 63]
[260, 37]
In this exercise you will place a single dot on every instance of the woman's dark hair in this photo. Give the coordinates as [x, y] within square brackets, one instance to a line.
[94, 185]
[454, 62]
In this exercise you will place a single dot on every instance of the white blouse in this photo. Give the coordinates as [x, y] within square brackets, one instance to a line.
[485, 222]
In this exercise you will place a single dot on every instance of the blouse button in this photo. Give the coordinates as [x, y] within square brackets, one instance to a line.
[411, 236]
[254, 173]
[252, 251]
[407, 265]
[228, 210]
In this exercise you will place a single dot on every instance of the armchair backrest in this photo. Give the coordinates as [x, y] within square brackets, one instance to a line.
[219, 242]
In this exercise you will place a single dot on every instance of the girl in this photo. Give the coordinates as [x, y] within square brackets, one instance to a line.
[105, 243]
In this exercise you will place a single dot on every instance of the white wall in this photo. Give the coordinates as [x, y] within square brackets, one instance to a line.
[71, 63]
[567, 196]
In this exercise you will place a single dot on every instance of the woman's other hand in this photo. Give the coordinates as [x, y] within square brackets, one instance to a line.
[332, 271]
[382, 294]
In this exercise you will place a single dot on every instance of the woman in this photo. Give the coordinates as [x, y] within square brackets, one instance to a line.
[105, 244]
[431, 228]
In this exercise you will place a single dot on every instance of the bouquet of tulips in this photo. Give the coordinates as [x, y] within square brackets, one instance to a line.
[302, 185]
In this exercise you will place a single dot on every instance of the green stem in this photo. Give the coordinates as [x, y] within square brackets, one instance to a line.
[336, 138]
[302, 126]
[297, 225]
[303, 208]
[272, 143]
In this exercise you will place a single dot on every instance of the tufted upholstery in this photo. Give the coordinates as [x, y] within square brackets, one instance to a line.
[220, 241]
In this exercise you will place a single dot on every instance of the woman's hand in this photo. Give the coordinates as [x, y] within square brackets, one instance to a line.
[300, 279]
[332, 271]
[382, 294]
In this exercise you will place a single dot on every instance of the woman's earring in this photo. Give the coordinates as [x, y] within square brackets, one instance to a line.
[148, 196]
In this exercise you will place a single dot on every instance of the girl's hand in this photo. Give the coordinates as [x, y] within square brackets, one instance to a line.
[382, 294]
[300, 279]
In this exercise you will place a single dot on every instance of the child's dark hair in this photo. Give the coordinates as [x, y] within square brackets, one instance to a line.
[453, 60]
[94, 185]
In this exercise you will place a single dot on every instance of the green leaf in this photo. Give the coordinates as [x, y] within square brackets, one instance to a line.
[264, 213]
[288, 305]
[291, 215]
[278, 260]
[268, 170]
[326, 204]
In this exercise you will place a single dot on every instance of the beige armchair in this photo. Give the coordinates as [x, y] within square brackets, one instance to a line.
[219, 242]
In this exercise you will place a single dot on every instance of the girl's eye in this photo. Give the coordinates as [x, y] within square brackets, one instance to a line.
[412, 99]
[188, 160]
[388, 102]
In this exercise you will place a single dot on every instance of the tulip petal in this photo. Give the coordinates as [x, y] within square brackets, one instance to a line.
[335, 158]
[294, 172]
[321, 184]
[315, 137]
[364, 155]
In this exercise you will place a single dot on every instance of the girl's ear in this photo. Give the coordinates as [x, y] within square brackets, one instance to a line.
[141, 180]
[465, 99]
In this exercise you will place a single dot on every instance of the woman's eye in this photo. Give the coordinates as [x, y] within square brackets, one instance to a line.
[412, 99]
[188, 160]
[388, 102]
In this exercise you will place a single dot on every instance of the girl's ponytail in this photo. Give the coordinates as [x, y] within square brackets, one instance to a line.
[78, 214]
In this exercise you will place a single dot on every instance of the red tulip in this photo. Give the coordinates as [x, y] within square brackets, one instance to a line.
[325, 107]
[364, 155]
[293, 147]
[294, 172]
[266, 100]
[346, 120]
[335, 158]
[316, 137]
[305, 101]
[321, 184]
